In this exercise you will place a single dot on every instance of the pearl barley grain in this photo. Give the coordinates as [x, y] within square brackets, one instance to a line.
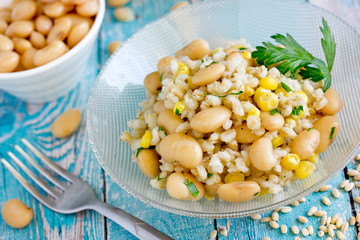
[256, 216]
[274, 224]
[303, 219]
[340, 235]
[357, 157]
[349, 187]
[325, 188]
[113, 46]
[310, 229]
[124, 14]
[352, 221]
[311, 211]
[302, 200]
[321, 233]
[320, 213]
[213, 234]
[335, 193]
[344, 183]
[286, 209]
[304, 232]
[295, 230]
[284, 229]
[326, 201]
[275, 216]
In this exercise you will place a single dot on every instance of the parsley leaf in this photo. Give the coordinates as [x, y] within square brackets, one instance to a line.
[294, 57]
[238, 93]
[209, 175]
[309, 129]
[192, 188]
[274, 111]
[177, 111]
[139, 150]
[296, 111]
[286, 87]
[332, 133]
[161, 76]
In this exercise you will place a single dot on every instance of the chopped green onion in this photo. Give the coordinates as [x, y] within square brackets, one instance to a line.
[211, 63]
[177, 112]
[296, 111]
[274, 111]
[256, 194]
[332, 133]
[159, 178]
[309, 129]
[286, 87]
[238, 93]
[242, 48]
[192, 188]
[226, 55]
[209, 175]
[139, 150]
[160, 128]
[202, 60]
[161, 76]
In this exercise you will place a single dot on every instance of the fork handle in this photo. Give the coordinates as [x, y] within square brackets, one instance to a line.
[137, 227]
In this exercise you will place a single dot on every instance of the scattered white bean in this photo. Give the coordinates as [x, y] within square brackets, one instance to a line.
[344, 183]
[275, 216]
[326, 201]
[311, 211]
[284, 229]
[349, 187]
[274, 224]
[320, 213]
[286, 209]
[303, 219]
[325, 188]
[295, 230]
[256, 216]
[335, 193]
[321, 233]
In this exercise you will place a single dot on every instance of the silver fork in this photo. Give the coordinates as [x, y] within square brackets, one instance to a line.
[75, 195]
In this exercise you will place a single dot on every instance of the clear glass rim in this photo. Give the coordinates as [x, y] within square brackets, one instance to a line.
[209, 215]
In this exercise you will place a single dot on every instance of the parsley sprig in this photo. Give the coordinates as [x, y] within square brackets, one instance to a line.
[294, 57]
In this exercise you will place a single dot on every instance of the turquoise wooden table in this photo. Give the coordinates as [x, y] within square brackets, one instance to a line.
[32, 121]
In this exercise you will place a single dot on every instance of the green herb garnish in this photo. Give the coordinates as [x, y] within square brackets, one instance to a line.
[226, 55]
[161, 76]
[256, 194]
[161, 129]
[177, 111]
[209, 175]
[211, 63]
[274, 111]
[309, 129]
[296, 111]
[202, 60]
[139, 150]
[192, 188]
[159, 178]
[286, 87]
[294, 57]
[242, 48]
[238, 93]
[332, 133]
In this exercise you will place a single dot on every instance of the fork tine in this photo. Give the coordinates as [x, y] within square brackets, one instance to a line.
[37, 180]
[45, 173]
[35, 193]
[53, 166]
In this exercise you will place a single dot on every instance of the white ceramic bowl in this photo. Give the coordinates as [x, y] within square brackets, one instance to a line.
[52, 80]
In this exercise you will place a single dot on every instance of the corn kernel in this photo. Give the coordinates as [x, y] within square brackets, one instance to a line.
[277, 141]
[227, 178]
[290, 122]
[246, 54]
[215, 50]
[290, 161]
[312, 111]
[182, 69]
[179, 108]
[238, 46]
[258, 91]
[269, 83]
[302, 94]
[304, 169]
[254, 111]
[146, 140]
[249, 91]
[314, 158]
[237, 177]
[267, 101]
[279, 90]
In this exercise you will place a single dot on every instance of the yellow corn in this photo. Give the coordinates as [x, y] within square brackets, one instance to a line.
[249, 91]
[215, 50]
[234, 177]
[146, 140]
[182, 69]
[254, 111]
[290, 122]
[258, 92]
[267, 101]
[302, 94]
[301, 114]
[277, 141]
[312, 111]
[290, 161]
[314, 158]
[279, 90]
[227, 178]
[179, 108]
[246, 54]
[304, 169]
[269, 83]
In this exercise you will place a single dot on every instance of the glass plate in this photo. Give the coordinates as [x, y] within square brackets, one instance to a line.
[119, 89]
